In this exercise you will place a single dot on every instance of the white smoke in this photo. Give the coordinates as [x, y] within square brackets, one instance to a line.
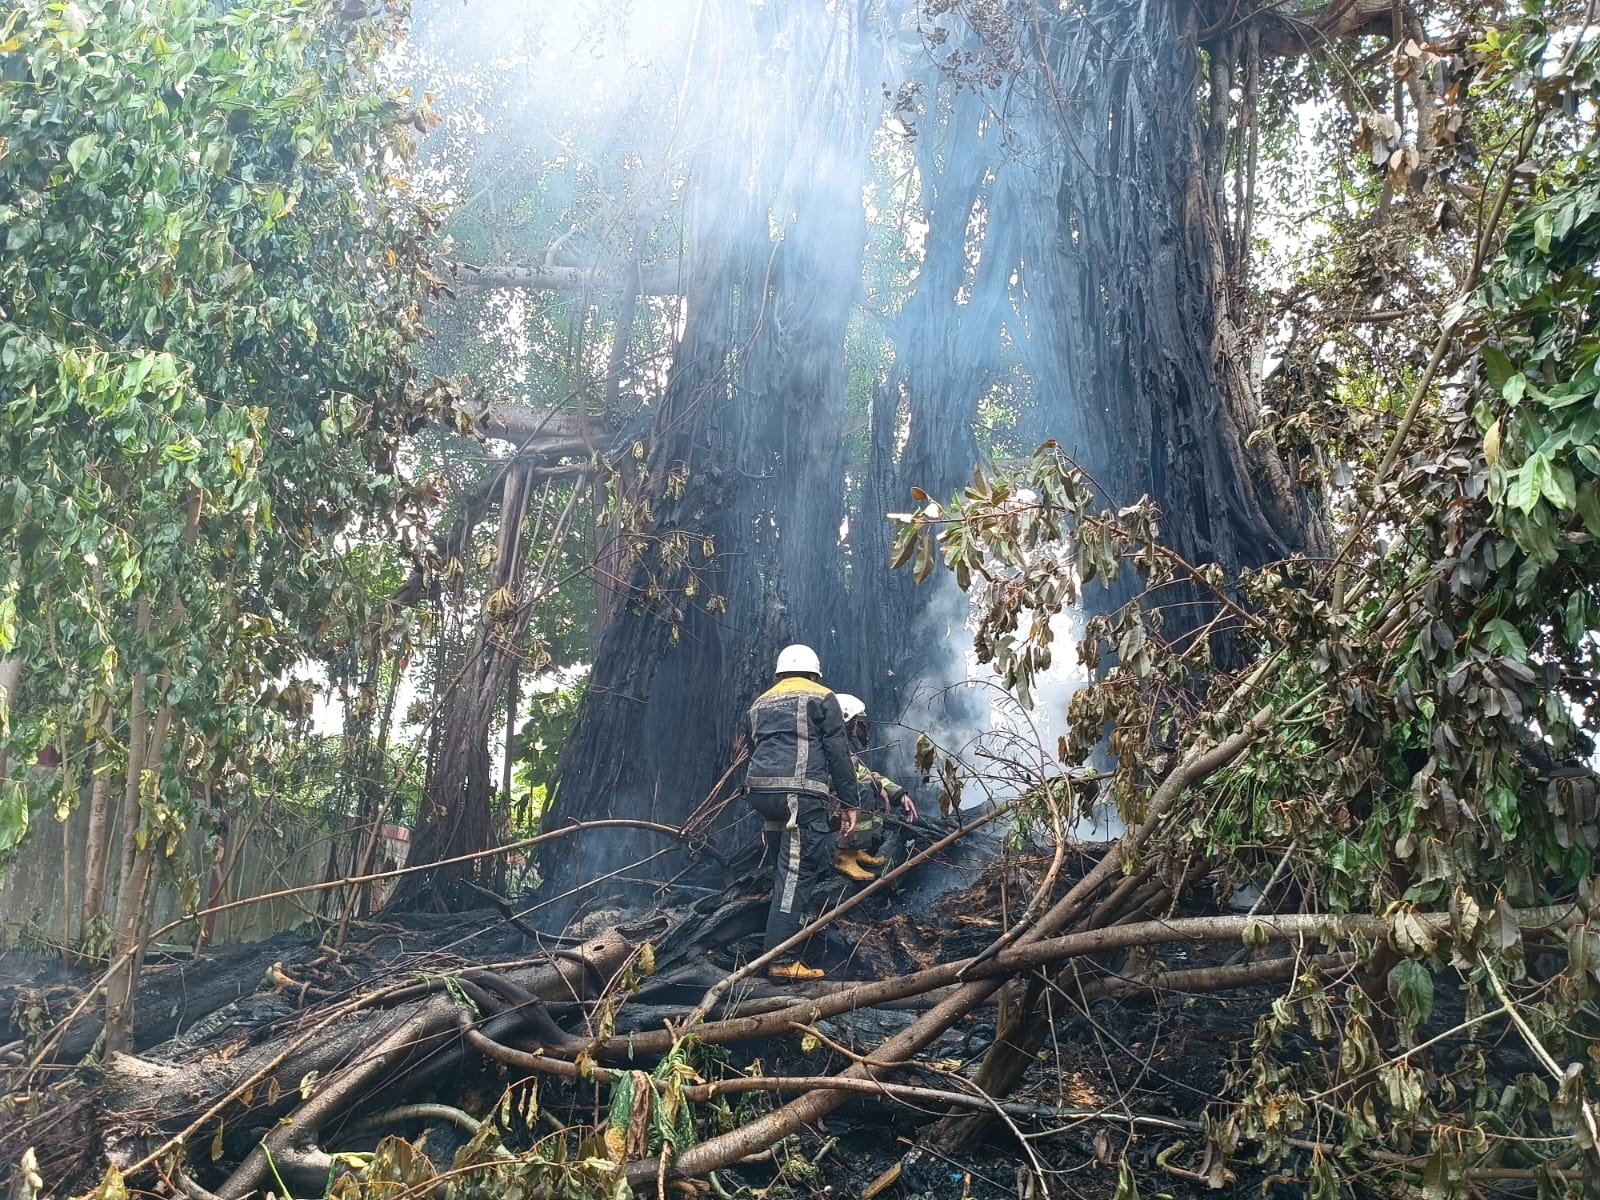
[1002, 748]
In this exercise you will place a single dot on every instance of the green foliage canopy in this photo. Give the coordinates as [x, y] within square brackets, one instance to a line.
[209, 289]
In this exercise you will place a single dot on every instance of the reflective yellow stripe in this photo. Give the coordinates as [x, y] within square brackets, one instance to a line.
[792, 831]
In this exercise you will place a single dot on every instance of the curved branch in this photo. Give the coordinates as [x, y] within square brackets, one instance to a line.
[1287, 35]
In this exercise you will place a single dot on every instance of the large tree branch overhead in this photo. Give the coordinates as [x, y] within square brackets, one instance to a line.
[1287, 34]
[655, 279]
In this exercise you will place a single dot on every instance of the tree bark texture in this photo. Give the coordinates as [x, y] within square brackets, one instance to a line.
[947, 353]
[1144, 316]
[457, 816]
[1076, 251]
[736, 548]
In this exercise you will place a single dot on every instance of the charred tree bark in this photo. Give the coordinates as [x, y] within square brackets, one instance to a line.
[734, 545]
[1145, 316]
[1136, 305]
[948, 352]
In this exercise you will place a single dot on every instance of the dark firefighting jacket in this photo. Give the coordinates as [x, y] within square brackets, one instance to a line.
[798, 742]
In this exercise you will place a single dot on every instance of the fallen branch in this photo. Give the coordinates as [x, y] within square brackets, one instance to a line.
[705, 1093]
[350, 1059]
[719, 1151]
[1330, 928]
[1214, 979]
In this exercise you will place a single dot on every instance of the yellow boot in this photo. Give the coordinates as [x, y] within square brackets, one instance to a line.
[870, 860]
[794, 972]
[844, 862]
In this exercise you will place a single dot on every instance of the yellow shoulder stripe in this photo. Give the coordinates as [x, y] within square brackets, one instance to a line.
[794, 684]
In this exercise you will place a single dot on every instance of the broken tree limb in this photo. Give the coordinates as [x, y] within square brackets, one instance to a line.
[1327, 927]
[1197, 765]
[1286, 34]
[1047, 885]
[354, 1050]
[704, 1093]
[1213, 979]
[812, 1106]
[546, 432]
[1021, 1032]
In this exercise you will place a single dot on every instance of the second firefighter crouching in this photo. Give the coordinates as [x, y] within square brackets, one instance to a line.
[857, 852]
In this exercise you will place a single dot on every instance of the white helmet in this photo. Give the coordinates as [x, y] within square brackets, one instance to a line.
[798, 660]
[851, 706]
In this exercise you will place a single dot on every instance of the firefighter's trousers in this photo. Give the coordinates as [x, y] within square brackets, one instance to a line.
[801, 846]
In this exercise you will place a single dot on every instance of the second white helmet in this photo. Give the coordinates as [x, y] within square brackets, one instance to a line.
[798, 660]
[851, 706]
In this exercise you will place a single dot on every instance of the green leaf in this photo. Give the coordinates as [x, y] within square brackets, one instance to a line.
[8, 619]
[1538, 473]
[1588, 506]
[1411, 984]
[1523, 487]
[1509, 639]
[80, 150]
[13, 813]
[1127, 1182]
[1557, 485]
[1497, 366]
[1541, 232]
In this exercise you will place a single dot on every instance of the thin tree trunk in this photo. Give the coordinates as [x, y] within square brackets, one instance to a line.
[511, 738]
[120, 981]
[609, 560]
[145, 754]
[67, 898]
[457, 815]
[96, 841]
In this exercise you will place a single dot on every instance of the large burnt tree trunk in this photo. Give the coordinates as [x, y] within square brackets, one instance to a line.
[1146, 317]
[1138, 299]
[734, 547]
[1077, 251]
[947, 354]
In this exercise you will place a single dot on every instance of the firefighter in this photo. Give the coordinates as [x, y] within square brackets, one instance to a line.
[858, 850]
[799, 753]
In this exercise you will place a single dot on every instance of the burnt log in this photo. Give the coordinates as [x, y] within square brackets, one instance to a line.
[173, 995]
[149, 1108]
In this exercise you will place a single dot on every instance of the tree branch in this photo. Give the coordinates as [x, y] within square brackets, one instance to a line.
[655, 279]
[1287, 35]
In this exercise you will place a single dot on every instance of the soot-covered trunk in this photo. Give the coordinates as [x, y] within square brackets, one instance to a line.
[737, 549]
[1132, 268]
[1135, 300]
